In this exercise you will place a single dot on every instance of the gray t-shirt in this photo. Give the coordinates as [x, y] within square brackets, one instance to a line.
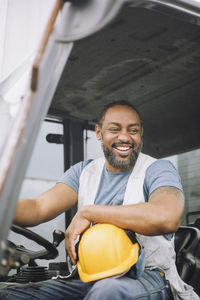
[112, 186]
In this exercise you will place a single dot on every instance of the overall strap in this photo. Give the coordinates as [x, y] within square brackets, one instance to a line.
[134, 190]
[89, 182]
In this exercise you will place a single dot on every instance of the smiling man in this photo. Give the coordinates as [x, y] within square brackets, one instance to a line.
[127, 189]
[120, 131]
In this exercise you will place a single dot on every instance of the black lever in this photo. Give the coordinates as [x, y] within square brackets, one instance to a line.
[58, 237]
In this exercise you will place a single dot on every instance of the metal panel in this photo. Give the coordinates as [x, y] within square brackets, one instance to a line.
[73, 152]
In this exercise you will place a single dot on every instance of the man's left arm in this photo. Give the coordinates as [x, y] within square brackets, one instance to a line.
[161, 215]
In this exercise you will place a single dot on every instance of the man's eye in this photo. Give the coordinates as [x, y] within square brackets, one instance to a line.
[134, 131]
[113, 129]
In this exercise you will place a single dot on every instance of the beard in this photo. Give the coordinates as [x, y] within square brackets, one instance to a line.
[122, 164]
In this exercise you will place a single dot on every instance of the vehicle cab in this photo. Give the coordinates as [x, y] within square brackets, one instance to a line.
[146, 52]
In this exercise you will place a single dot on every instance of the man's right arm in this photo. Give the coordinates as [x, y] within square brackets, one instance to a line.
[47, 206]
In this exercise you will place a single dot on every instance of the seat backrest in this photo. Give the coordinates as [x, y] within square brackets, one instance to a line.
[197, 223]
[187, 240]
[194, 280]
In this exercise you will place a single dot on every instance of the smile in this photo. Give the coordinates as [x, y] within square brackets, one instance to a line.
[121, 148]
[125, 149]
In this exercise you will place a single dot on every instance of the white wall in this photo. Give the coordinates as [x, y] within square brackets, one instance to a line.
[92, 147]
[45, 168]
[22, 26]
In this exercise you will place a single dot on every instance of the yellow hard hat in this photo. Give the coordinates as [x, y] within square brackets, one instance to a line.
[105, 250]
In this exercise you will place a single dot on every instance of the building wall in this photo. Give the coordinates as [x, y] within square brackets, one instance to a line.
[189, 170]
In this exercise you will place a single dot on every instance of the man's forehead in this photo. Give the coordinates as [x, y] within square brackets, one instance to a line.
[137, 124]
[117, 113]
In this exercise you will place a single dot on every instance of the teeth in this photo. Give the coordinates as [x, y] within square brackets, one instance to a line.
[123, 148]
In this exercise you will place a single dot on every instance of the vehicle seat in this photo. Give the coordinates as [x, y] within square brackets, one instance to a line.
[187, 244]
[196, 223]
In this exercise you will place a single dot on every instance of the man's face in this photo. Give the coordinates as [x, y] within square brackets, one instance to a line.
[121, 137]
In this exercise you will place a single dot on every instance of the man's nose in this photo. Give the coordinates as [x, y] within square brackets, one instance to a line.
[124, 136]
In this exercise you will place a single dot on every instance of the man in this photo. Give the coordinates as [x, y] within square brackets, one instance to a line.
[127, 189]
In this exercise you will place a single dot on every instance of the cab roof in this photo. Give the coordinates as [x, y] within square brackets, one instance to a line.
[149, 58]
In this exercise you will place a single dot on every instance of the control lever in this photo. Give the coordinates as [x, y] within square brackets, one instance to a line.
[58, 237]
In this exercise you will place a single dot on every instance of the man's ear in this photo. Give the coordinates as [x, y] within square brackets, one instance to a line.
[98, 132]
[142, 131]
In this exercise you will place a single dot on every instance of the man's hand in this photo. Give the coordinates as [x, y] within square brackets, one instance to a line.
[78, 224]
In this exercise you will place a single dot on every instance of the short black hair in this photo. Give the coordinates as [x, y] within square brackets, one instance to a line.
[113, 104]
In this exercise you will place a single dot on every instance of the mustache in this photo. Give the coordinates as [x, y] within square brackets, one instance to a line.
[132, 145]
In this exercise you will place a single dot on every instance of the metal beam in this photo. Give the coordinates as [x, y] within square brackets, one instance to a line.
[73, 152]
[46, 72]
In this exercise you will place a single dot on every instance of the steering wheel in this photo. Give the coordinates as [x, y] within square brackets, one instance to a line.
[49, 252]
[15, 256]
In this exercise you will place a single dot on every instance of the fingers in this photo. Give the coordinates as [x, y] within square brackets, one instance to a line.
[78, 224]
[70, 240]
